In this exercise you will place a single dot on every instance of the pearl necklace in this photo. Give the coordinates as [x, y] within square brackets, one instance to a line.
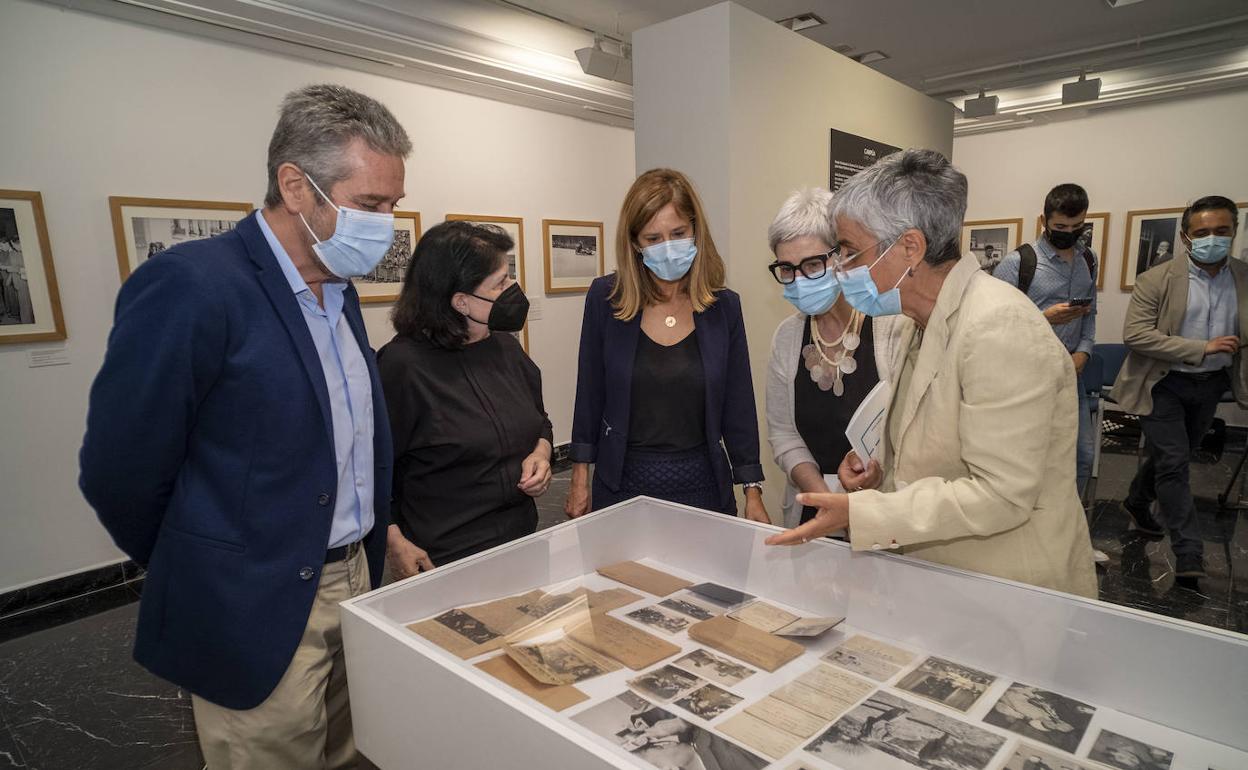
[828, 373]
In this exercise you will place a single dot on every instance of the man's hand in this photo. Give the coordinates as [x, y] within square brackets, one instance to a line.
[1064, 313]
[1080, 360]
[404, 558]
[1222, 345]
[832, 516]
[855, 476]
[535, 475]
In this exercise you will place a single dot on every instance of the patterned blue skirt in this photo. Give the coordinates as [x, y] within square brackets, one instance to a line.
[678, 477]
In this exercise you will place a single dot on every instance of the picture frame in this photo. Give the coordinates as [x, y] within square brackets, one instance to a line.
[1149, 240]
[144, 227]
[30, 299]
[385, 282]
[1239, 249]
[1096, 239]
[572, 254]
[991, 239]
[514, 226]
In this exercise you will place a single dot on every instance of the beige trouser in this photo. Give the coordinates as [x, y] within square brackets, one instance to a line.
[305, 724]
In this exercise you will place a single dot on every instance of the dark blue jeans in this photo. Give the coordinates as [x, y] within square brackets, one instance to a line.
[1183, 409]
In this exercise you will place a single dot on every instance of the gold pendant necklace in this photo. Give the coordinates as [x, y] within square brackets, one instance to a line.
[670, 321]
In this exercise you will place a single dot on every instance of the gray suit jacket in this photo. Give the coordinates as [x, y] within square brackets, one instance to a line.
[1154, 319]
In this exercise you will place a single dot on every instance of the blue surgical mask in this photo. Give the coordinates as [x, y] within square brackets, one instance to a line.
[813, 296]
[1211, 249]
[864, 296]
[360, 240]
[670, 260]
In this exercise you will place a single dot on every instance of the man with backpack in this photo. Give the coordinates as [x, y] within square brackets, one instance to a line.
[1058, 273]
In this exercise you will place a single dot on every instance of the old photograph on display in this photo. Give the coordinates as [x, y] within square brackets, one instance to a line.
[720, 670]
[886, 726]
[991, 239]
[665, 683]
[708, 701]
[30, 302]
[663, 619]
[662, 739]
[385, 281]
[1042, 716]
[869, 657]
[690, 605]
[560, 660]
[573, 254]
[1129, 754]
[1152, 238]
[947, 683]
[466, 626]
[1028, 756]
[1239, 247]
[144, 227]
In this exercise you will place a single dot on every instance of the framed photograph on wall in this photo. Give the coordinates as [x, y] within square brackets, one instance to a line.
[1152, 235]
[1239, 248]
[386, 280]
[30, 302]
[513, 226]
[991, 239]
[144, 227]
[573, 254]
[1095, 237]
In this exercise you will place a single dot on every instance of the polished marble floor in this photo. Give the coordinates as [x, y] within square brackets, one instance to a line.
[71, 697]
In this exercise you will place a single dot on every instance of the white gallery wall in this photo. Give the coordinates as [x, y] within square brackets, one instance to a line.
[745, 107]
[1147, 157]
[96, 107]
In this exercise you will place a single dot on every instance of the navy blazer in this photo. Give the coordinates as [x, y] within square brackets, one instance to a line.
[209, 458]
[604, 382]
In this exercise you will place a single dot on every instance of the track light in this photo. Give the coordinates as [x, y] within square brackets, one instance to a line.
[599, 63]
[981, 106]
[1082, 90]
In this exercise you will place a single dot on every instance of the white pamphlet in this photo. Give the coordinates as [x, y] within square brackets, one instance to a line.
[866, 428]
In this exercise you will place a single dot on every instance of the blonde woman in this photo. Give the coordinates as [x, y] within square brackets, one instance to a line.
[663, 384]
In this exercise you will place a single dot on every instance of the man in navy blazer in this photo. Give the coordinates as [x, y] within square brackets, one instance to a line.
[237, 442]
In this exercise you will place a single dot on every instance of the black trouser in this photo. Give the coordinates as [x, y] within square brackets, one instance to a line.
[1183, 409]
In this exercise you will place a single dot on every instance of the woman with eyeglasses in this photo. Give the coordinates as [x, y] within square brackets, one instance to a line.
[664, 397]
[978, 449]
[825, 358]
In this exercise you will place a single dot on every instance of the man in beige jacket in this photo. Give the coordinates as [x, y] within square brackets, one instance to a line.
[1184, 328]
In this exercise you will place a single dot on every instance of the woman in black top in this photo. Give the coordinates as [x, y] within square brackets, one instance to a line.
[664, 397]
[472, 441]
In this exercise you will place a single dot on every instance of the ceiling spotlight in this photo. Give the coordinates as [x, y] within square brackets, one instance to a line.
[1120, 3]
[599, 63]
[870, 57]
[1082, 90]
[981, 106]
[802, 21]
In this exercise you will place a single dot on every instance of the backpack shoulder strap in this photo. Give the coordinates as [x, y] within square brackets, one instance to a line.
[1026, 267]
[1090, 258]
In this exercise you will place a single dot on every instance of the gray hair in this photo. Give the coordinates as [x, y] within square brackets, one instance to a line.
[316, 124]
[805, 212]
[917, 189]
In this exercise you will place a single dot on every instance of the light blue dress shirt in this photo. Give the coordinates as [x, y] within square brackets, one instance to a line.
[1057, 281]
[350, 397]
[1212, 311]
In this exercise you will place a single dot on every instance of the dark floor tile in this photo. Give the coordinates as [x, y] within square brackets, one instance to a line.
[10, 754]
[72, 697]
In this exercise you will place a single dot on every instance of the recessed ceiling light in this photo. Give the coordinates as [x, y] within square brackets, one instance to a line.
[802, 21]
[870, 57]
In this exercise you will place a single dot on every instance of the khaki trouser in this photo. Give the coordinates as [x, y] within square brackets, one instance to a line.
[305, 724]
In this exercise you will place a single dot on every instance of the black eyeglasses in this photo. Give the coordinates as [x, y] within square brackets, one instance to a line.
[811, 267]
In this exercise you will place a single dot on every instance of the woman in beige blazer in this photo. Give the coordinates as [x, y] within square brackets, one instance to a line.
[810, 399]
[979, 447]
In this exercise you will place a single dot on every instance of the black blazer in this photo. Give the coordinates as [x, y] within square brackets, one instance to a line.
[604, 389]
[209, 457]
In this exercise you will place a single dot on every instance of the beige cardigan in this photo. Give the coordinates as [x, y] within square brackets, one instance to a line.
[787, 445]
[983, 473]
[1154, 320]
